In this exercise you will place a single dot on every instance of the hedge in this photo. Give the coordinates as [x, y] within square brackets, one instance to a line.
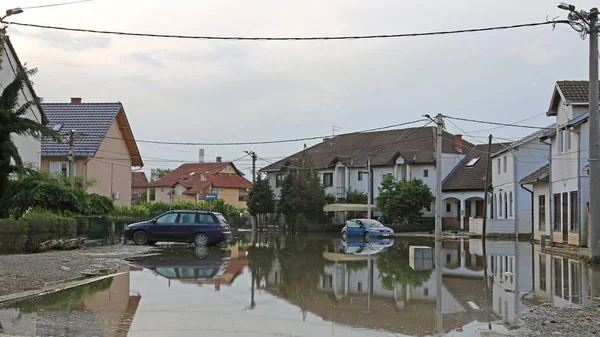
[26, 234]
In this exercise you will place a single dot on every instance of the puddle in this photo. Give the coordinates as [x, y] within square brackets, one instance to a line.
[312, 286]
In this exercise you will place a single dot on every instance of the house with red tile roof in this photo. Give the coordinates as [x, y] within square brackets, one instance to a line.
[191, 181]
[139, 183]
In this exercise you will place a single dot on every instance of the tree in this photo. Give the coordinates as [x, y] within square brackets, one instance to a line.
[261, 199]
[355, 197]
[302, 192]
[393, 264]
[403, 200]
[160, 173]
[13, 122]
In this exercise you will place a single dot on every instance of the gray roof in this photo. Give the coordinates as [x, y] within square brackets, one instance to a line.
[90, 121]
[535, 135]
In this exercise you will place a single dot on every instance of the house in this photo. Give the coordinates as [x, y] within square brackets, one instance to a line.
[402, 153]
[191, 181]
[560, 209]
[104, 146]
[139, 184]
[463, 189]
[29, 148]
[510, 207]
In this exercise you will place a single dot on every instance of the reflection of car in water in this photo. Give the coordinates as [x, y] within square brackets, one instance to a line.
[200, 263]
[366, 229]
[360, 247]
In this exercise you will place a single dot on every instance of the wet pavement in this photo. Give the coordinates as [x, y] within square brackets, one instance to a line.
[312, 286]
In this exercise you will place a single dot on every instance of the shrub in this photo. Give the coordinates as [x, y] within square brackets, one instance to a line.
[46, 226]
[96, 204]
[13, 235]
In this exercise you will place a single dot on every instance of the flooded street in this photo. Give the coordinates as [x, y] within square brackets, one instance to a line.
[312, 286]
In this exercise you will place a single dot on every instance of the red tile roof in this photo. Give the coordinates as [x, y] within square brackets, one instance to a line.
[138, 179]
[185, 170]
[197, 187]
[228, 180]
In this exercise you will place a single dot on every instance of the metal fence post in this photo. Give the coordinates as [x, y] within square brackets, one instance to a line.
[112, 233]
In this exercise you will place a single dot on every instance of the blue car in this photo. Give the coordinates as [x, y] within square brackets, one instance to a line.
[360, 247]
[198, 227]
[366, 229]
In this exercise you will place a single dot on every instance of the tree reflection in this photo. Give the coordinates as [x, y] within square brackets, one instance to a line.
[394, 266]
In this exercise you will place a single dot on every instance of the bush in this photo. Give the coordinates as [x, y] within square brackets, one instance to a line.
[46, 226]
[13, 235]
[96, 204]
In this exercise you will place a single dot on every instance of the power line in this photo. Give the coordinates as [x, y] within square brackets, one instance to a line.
[496, 123]
[499, 127]
[311, 38]
[58, 4]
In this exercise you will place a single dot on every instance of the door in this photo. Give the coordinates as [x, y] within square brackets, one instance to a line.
[354, 228]
[162, 229]
[183, 229]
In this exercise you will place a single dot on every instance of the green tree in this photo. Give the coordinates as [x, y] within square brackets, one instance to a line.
[302, 192]
[160, 173]
[261, 199]
[393, 264]
[355, 196]
[403, 200]
[14, 122]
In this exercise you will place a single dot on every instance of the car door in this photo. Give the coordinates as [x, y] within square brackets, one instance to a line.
[207, 224]
[353, 228]
[183, 229]
[162, 229]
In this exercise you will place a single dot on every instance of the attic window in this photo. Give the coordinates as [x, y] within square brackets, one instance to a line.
[57, 127]
[191, 174]
[472, 162]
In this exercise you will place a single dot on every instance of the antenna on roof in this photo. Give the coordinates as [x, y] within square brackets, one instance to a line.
[334, 129]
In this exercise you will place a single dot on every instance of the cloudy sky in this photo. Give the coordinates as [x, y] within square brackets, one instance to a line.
[225, 91]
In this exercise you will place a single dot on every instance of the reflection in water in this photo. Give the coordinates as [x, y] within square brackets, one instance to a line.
[312, 286]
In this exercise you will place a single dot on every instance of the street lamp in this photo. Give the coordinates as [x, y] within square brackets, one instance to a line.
[13, 11]
[567, 7]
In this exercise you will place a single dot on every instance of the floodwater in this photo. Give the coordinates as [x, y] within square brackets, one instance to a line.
[312, 286]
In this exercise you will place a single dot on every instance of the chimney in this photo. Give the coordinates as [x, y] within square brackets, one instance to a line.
[219, 159]
[201, 155]
[458, 142]
[75, 100]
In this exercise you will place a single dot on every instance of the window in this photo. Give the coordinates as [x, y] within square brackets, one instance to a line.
[565, 209]
[425, 173]
[279, 180]
[543, 282]
[167, 218]
[567, 137]
[505, 163]
[327, 179]
[187, 218]
[448, 207]
[425, 292]
[505, 206]
[559, 140]
[472, 162]
[59, 167]
[152, 195]
[57, 127]
[495, 208]
[352, 224]
[574, 212]
[498, 165]
[510, 203]
[206, 218]
[542, 212]
[359, 287]
[557, 211]
[180, 191]
[360, 175]
[448, 258]
[499, 205]
[428, 208]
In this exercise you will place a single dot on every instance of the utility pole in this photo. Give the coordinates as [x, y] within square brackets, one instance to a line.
[483, 239]
[253, 156]
[594, 141]
[369, 187]
[438, 171]
[71, 172]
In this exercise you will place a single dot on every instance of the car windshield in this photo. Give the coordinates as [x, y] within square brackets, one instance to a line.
[371, 223]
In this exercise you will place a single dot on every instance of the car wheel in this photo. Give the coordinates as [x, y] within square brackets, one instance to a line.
[367, 237]
[344, 236]
[201, 239]
[140, 238]
[201, 252]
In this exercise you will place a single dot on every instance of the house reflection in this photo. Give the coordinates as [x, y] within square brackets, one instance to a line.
[102, 308]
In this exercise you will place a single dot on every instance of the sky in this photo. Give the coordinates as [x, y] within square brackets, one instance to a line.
[239, 91]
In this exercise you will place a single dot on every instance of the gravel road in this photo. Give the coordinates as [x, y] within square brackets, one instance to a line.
[34, 271]
[571, 321]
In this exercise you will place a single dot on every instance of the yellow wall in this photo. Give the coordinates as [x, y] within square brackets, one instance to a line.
[110, 167]
[231, 196]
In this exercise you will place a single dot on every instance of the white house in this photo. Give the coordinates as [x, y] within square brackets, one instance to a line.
[511, 203]
[341, 161]
[29, 148]
[560, 206]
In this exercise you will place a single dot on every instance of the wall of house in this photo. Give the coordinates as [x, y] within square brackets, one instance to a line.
[177, 189]
[29, 148]
[231, 196]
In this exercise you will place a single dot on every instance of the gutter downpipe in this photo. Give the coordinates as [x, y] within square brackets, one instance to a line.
[550, 196]
[85, 172]
[579, 225]
[532, 211]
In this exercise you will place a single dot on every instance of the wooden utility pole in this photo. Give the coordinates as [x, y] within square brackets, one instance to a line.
[71, 172]
[483, 229]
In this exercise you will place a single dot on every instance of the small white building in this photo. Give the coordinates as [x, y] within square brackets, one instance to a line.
[30, 149]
